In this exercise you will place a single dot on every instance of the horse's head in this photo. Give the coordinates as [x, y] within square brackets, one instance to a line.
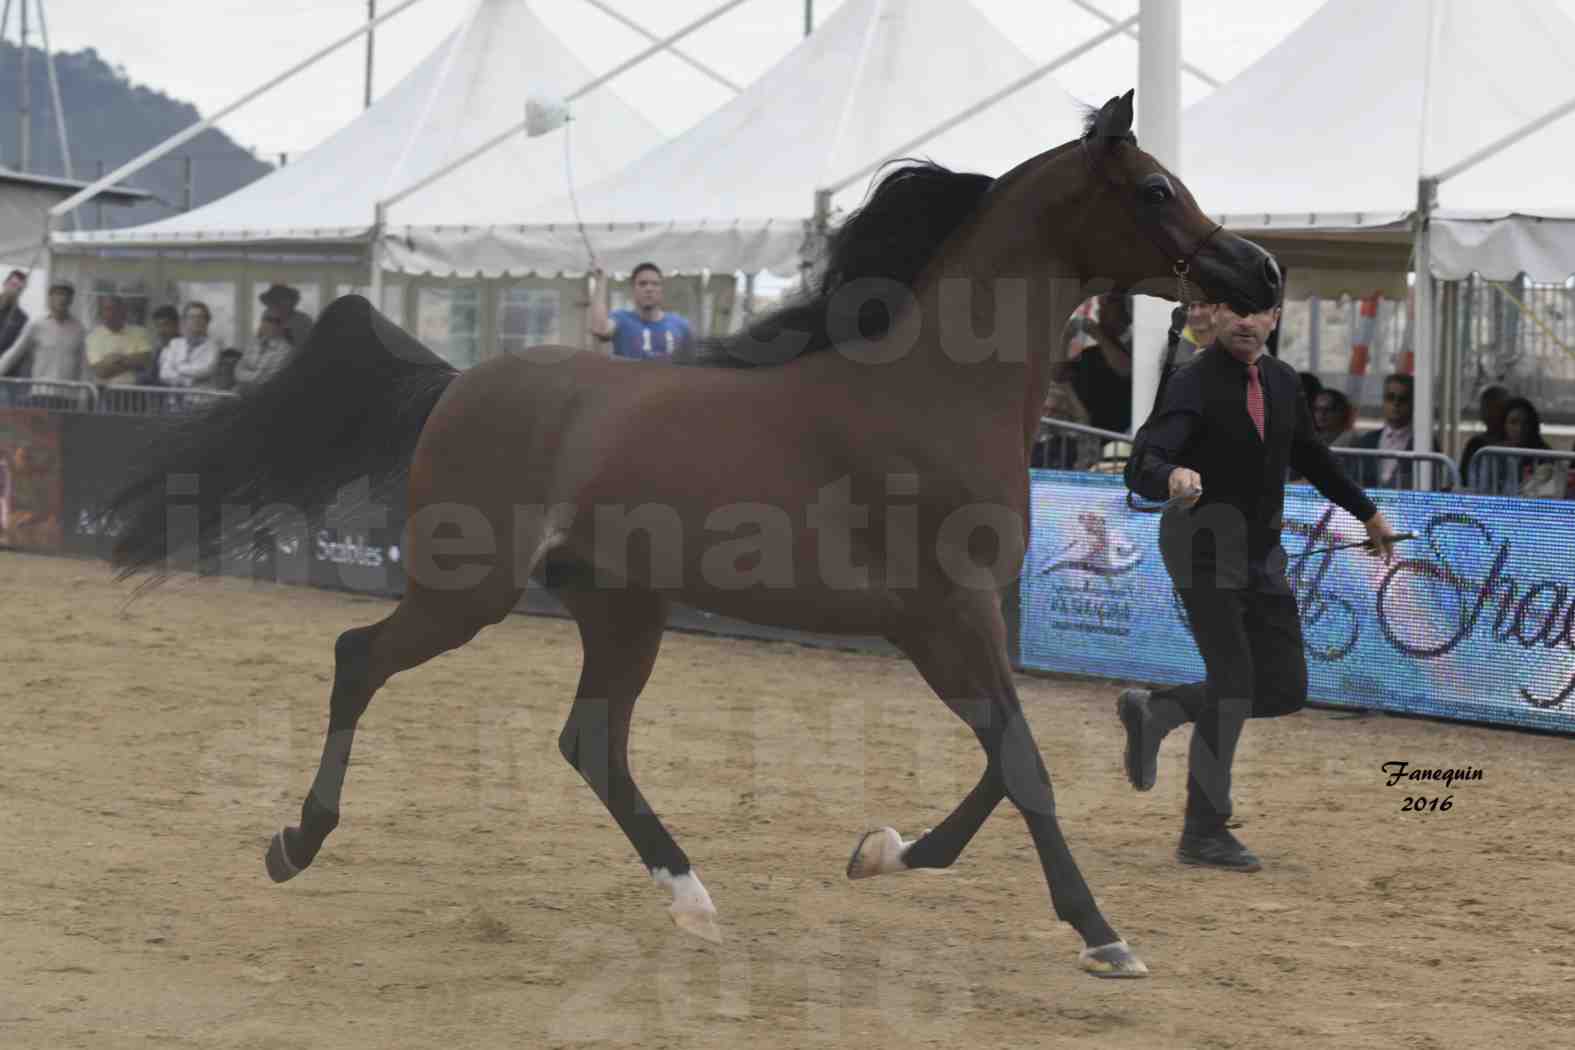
[1141, 228]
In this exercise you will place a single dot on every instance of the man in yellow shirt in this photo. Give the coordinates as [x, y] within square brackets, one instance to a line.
[1200, 331]
[117, 352]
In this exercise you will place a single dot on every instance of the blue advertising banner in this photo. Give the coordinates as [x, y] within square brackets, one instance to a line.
[1473, 620]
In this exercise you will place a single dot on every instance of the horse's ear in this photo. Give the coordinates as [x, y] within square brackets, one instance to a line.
[1115, 119]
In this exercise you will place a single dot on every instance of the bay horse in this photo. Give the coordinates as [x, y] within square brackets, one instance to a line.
[880, 489]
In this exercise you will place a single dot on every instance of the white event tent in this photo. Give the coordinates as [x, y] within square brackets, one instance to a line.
[312, 222]
[879, 79]
[1431, 136]
[739, 192]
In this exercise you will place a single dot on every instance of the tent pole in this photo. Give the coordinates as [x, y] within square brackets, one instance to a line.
[690, 60]
[24, 116]
[1159, 130]
[371, 16]
[1424, 335]
[374, 256]
[1452, 364]
[54, 94]
[1186, 66]
[1500, 145]
[180, 138]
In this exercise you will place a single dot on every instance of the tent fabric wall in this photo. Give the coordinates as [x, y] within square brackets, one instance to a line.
[735, 191]
[733, 194]
[1542, 247]
[559, 249]
[1297, 143]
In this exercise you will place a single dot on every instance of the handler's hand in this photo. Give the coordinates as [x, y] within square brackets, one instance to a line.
[1184, 482]
[1380, 537]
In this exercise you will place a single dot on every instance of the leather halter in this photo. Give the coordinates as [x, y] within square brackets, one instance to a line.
[1183, 264]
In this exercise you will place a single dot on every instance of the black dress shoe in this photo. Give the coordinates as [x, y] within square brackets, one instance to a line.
[1142, 752]
[1217, 850]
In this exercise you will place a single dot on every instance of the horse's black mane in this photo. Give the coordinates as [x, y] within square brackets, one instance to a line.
[1091, 128]
[1090, 119]
[893, 236]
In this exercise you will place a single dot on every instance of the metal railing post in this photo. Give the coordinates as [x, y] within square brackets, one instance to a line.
[1485, 456]
[1442, 460]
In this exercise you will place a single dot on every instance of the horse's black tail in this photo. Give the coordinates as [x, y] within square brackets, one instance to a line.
[349, 405]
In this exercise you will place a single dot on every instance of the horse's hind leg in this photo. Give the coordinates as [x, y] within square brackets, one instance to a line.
[621, 632]
[425, 624]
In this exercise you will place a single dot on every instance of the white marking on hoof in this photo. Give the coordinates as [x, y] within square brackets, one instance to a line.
[1112, 960]
[879, 852]
[280, 867]
[692, 910]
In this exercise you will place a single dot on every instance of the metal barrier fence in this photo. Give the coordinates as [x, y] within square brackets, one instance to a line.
[59, 394]
[1497, 470]
[64, 396]
[1082, 450]
[155, 400]
[1447, 464]
[1063, 457]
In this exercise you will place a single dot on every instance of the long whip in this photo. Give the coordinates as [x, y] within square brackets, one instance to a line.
[568, 174]
[1398, 537]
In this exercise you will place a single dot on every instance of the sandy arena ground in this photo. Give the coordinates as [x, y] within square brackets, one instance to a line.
[477, 895]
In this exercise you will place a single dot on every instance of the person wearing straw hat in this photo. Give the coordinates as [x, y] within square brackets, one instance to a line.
[1230, 423]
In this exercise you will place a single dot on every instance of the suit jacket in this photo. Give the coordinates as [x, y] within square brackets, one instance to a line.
[1203, 424]
[12, 324]
[1369, 471]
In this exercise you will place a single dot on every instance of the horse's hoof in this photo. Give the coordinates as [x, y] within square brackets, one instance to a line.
[280, 867]
[700, 923]
[877, 853]
[1112, 960]
[692, 910]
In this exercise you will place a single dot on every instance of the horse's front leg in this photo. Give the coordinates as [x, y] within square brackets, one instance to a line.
[621, 631]
[884, 850]
[961, 652]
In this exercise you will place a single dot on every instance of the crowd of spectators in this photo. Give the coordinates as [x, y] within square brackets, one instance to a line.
[1092, 386]
[179, 351]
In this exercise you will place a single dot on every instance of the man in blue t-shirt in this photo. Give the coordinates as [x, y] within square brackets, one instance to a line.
[647, 332]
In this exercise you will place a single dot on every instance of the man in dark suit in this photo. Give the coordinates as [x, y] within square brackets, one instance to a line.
[1394, 436]
[13, 321]
[1232, 422]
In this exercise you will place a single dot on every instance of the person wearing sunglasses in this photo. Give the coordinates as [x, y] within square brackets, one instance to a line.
[1394, 436]
[1231, 423]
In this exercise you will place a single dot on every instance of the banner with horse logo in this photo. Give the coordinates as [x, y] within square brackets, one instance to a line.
[1473, 620]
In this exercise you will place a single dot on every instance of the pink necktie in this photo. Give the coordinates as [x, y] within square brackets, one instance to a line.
[1255, 398]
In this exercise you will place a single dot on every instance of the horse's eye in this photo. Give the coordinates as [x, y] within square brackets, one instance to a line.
[1156, 190]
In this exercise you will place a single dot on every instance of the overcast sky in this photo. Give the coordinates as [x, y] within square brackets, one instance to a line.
[210, 52]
